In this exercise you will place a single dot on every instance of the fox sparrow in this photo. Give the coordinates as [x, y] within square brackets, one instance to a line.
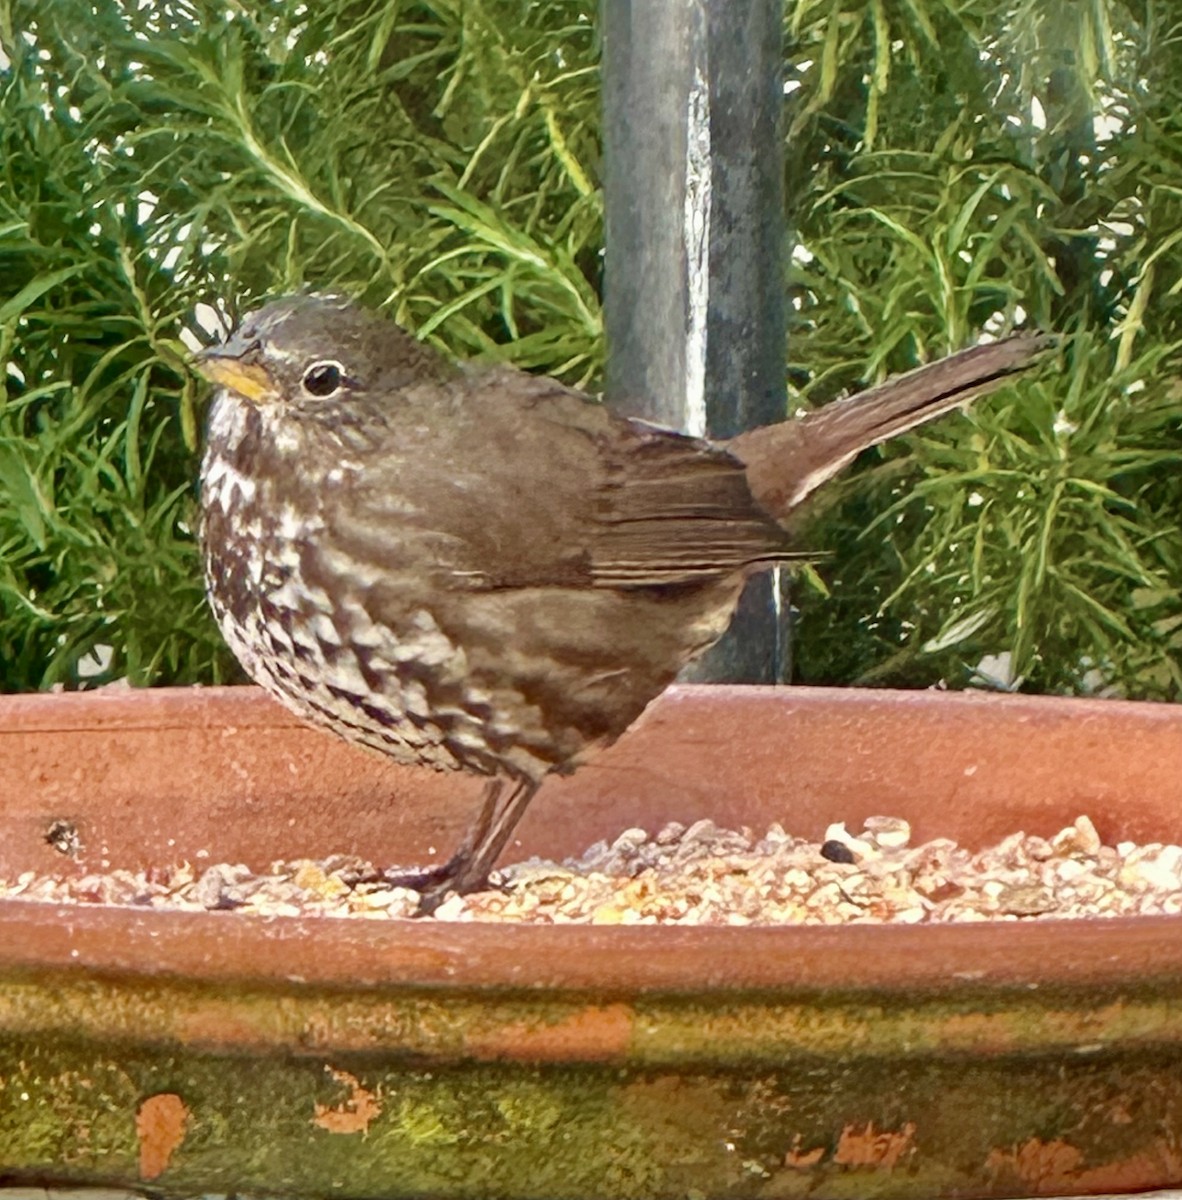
[472, 568]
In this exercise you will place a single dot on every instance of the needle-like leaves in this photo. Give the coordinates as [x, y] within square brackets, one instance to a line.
[953, 168]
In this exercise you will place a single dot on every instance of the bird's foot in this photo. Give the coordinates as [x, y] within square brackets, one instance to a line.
[460, 874]
[468, 869]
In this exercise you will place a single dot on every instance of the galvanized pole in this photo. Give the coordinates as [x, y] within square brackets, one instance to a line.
[694, 286]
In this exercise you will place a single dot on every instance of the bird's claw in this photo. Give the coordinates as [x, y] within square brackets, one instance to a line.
[435, 884]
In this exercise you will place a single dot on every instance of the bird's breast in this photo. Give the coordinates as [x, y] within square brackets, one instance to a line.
[343, 639]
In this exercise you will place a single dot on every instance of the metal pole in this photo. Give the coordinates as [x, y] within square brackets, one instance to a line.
[694, 287]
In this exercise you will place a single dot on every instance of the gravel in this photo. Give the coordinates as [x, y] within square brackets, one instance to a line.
[700, 875]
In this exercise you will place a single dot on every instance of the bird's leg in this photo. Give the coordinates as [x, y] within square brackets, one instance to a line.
[442, 872]
[467, 870]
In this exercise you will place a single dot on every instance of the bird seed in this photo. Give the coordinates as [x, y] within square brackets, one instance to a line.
[700, 875]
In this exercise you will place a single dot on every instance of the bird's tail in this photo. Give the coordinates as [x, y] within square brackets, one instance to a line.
[787, 462]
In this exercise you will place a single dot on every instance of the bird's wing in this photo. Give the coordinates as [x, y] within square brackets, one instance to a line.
[674, 509]
[534, 485]
[661, 508]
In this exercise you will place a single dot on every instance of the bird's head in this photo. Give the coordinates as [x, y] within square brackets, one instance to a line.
[303, 351]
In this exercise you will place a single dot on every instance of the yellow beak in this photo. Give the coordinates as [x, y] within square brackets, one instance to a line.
[251, 381]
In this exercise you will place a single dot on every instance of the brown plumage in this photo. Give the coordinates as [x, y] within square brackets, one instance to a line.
[471, 568]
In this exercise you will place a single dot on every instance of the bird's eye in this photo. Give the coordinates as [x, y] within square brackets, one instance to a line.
[323, 378]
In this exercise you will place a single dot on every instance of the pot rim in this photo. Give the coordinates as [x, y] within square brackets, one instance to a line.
[408, 954]
[355, 952]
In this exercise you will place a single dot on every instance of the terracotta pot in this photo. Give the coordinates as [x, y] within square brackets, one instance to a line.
[223, 1052]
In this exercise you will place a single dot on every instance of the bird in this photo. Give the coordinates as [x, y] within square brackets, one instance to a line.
[468, 567]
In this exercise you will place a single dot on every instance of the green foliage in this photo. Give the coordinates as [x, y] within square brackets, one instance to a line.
[952, 168]
[970, 166]
[96, 511]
